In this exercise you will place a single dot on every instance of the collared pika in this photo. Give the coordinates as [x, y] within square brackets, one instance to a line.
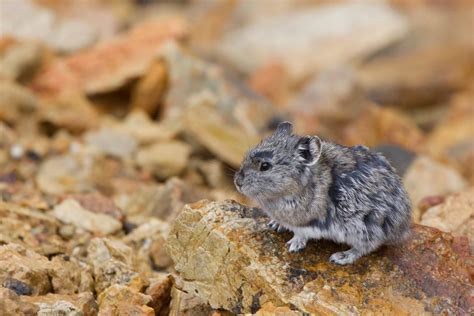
[321, 190]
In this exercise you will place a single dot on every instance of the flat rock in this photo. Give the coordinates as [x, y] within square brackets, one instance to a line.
[234, 262]
[164, 159]
[70, 211]
[314, 38]
[112, 142]
[111, 63]
[455, 214]
[57, 304]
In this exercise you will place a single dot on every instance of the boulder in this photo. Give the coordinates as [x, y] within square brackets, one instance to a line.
[225, 254]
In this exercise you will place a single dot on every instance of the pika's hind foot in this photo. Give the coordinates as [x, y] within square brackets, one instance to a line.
[273, 225]
[296, 244]
[345, 257]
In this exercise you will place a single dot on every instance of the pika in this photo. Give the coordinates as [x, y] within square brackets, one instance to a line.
[322, 190]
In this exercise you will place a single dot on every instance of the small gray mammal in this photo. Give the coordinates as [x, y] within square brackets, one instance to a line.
[321, 190]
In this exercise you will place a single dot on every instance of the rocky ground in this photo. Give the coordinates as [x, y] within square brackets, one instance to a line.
[122, 123]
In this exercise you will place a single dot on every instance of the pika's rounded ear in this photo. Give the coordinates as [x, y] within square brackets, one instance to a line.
[309, 149]
[284, 129]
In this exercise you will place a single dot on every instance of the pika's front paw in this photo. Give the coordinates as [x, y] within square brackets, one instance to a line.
[273, 225]
[296, 244]
[344, 257]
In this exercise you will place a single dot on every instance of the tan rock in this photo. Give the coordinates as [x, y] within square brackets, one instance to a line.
[234, 262]
[453, 137]
[160, 292]
[188, 304]
[71, 212]
[113, 262]
[69, 276]
[146, 131]
[57, 304]
[12, 304]
[149, 241]
[26, 266]
[149, 90]
[113, 142]
[71, 110]
[29, 228]
[455, 215]
[427, 177]
[338, 33]
[98, 203]
[376, 126]
[122, 300]
[110, 64]
[227, 141]
[15, 101]
[269, 309]
[18, 59]
[164, 159]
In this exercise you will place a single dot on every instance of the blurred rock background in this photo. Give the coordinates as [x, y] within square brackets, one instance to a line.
[114, 114]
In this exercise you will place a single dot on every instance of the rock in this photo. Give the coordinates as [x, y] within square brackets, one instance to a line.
[98, 203]
[273, 82]
[12, 304]
[24, 19]
[455, 214]
[122, 300]
[160, 292]
[57, 304]
[412, 78]
[204, 123]
[29, 228]
[149, 241]
[164, 159]
[70, 173]
[427, 177]
[113, 262]
[71, 111]
[188, 304]
[236, 263]
[69, 276]
[269, 309]
[113, 142]
[25, 266]
[15, 101]
[111, 63]
[307, 40]
[71, 212]
[146, 131]
[452, 139]
[376, 126]
[149, 90]
[18, 59]
[164, 202]
[20, 288]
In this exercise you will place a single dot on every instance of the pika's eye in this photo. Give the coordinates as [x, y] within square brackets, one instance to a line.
[264, 166]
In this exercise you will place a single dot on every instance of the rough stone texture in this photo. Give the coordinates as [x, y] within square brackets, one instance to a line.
[71, 212]
[112, 142]
[27, 266]
[160, 292]
[455, 214]
[70, 277]
[12, 304]
[113, 262]
[111, 63]
[236, 263]
[56, 304]
[123, 300]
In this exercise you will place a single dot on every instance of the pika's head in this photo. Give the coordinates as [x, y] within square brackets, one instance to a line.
[280, 165]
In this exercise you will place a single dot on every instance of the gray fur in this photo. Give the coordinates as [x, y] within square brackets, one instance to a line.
[319, 189]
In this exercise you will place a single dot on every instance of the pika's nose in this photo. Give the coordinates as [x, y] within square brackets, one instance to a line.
[239, 178]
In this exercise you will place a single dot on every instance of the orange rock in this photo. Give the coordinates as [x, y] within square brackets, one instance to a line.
[110, 64]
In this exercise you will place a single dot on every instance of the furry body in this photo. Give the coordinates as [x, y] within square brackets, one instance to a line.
[323, 190]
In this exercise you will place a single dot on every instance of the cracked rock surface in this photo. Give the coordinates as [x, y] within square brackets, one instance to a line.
[225, 254]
